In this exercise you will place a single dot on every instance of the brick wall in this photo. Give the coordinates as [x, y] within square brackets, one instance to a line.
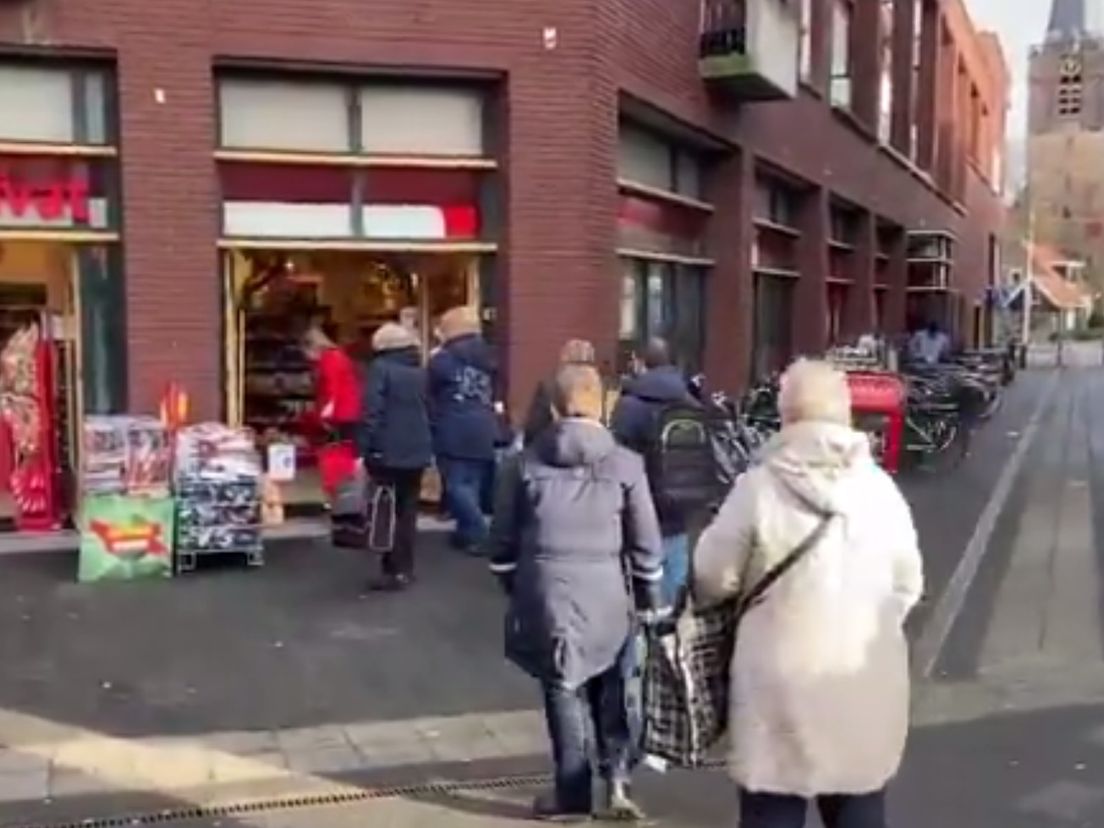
[557, 271]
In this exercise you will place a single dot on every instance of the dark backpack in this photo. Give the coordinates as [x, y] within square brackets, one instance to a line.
[681, 459]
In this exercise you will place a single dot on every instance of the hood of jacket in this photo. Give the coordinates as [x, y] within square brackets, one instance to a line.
[574, 442]
[471, 349]
[410, 355]
[816, 462]
[664, 385]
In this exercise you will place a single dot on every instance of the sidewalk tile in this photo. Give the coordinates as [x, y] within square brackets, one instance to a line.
[21, 762]
[465, 739]
[17, 787]
[311, 738]
[227, 768]
[325, 760]
[65, 783]
[242, 743]
[519, 734]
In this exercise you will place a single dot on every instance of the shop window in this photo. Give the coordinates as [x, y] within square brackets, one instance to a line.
[773, 335]
[643, 158]
[55, 105]
[646, 158]
[664, 299]
[57, 192]
[103, 329]
[841, 53]
[688, 174]
[284, 115]
[286, 200]
[415, 120]
[777, 202]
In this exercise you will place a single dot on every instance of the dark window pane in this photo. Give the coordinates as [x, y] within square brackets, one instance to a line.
[103, 330]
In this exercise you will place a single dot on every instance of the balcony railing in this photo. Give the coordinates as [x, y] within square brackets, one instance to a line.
[750, 47]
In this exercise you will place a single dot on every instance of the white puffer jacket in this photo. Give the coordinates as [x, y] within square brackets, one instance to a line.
[820, 681]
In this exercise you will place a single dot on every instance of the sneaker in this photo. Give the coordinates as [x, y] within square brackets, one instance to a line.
[620, 806]
[547, 808]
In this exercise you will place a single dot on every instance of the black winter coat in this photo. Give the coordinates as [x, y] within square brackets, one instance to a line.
[396, 431]
[575, 537]
[636, 415]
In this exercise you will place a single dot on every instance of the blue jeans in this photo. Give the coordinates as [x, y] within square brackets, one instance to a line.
[676, 566]
[764, 810]
[573, 714]
[465, 486]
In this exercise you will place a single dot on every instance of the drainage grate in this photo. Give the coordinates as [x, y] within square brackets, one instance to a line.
[322, 799]
[291, 803]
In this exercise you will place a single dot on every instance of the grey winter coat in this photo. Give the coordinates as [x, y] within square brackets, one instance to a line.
[575, 539]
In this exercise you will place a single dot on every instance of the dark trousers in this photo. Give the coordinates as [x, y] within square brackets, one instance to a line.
[408, 488]
[844, 811]
[580, 718]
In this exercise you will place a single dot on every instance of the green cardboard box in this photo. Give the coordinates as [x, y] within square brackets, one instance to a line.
[126, 537]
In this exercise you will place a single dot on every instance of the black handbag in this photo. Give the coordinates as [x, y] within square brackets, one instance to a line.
[687, 668]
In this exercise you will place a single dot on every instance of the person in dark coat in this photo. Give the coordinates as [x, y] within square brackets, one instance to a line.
[575, 541]
[397, 445]
[465, 427]
[634, 425]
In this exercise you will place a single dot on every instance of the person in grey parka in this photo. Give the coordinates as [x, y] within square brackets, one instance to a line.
[575, 540]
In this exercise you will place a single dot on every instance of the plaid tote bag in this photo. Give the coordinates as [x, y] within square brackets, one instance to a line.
[687, 669]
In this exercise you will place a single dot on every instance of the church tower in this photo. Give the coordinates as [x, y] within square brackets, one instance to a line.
[1065, 149]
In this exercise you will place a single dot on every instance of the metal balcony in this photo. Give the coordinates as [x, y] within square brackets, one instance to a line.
[749, 48]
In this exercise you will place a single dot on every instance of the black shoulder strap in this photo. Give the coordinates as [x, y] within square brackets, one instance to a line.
[759, 591]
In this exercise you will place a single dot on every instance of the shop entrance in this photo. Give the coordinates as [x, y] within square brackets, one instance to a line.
[40, 399]
[273, 296]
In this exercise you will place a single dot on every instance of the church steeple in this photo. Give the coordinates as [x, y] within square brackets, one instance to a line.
[1068, 20]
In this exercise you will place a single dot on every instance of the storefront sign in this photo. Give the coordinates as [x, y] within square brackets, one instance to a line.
[44, 200]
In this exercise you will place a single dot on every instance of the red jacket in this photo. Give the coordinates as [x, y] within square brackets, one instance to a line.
[337, 385]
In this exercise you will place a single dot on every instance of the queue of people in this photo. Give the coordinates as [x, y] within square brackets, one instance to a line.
[591, 549]
[400, 418]
[816, 530]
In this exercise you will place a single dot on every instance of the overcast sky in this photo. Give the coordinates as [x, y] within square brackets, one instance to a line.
[1020, 24]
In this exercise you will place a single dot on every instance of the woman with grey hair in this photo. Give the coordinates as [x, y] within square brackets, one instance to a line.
[820, 682]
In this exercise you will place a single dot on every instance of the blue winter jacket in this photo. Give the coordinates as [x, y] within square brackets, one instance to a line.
[461, 391]
[396, 431]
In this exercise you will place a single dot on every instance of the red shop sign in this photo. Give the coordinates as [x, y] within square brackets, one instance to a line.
[47, 200]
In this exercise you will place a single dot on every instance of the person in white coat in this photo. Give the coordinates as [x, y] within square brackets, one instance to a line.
[820, 678]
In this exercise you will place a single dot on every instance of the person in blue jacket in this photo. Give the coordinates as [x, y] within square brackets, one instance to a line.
[396, 443]
[462, 375]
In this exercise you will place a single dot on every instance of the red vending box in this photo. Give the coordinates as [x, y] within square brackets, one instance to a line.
[878, 408]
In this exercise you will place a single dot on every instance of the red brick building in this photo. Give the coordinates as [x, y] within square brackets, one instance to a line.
[576, 167]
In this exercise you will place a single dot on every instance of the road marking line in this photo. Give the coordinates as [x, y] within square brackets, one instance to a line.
[942, 620]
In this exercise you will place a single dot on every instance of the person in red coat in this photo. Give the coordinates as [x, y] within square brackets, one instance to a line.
[337, 396]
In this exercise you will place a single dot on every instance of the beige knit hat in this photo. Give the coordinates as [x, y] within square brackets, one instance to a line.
[459, 321]
[392, 336]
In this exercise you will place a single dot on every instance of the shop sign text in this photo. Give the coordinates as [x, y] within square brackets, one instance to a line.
[46, 200]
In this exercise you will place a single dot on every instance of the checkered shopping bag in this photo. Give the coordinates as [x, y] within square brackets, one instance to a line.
[688, 664]
[686, 684]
